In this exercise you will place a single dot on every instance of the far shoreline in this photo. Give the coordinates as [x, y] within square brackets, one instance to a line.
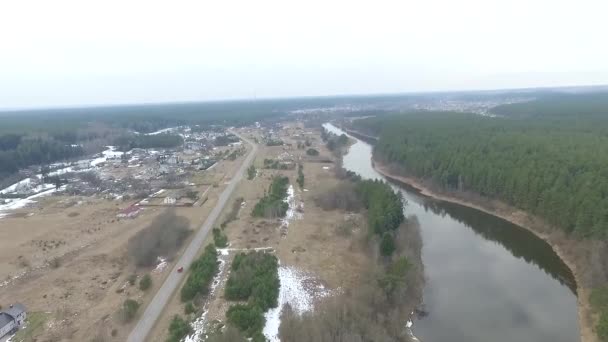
[557, 240]
[520, 218]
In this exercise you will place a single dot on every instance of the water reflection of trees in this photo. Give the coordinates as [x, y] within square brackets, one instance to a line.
[520, 242]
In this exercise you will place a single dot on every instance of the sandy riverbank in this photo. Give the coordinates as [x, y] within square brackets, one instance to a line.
[566, 248]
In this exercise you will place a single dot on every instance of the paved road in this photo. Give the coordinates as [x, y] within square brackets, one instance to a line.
[160, 300]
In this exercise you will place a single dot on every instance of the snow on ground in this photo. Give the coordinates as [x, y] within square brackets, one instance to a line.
[226, 251]
[15, 187]
[164, 130]
[200, 324]
[36, 186]
[408, 328]
[19, 203]
[292, 212]
[298, 289]
[162, 264]
[110, 153]
[11, 279]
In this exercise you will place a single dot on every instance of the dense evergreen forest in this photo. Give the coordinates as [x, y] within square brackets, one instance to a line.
[19, 151]
[546, 158]
[128, 142]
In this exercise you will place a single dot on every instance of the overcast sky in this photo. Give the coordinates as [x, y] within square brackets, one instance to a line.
[60, 52]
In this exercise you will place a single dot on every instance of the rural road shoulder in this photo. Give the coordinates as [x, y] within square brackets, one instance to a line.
[160, 300]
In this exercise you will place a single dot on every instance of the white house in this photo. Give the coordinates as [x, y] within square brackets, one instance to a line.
[12, 319]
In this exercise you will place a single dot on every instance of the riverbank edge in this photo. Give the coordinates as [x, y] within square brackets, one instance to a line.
[417, 292]
[586, 317]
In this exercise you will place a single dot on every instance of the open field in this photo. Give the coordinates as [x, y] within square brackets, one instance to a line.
[65, 257]
[308, 242]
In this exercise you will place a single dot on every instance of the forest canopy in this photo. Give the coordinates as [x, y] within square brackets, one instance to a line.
[553, 164]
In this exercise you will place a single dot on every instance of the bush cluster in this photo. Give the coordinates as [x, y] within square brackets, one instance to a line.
[273, 204]
[300, 179]
[219, 238]
[163, 237]
[599, 301]
[145, 282]
[384, 211]
[253, 278]
[202, 272]
[178, 329]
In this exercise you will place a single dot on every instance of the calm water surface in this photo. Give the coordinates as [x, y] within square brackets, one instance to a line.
[487, 280]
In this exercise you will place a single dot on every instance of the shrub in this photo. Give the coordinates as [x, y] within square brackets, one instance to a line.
[234, 211]
[599, 301]
[300, 179]
[202, 272]
[395, 276]
[247, 318]
[229, 334]
[128, 310]
[251, 172]
[220, 239]
[272, 204]
[178, 329]
[145, 282]
[254, 276]
[189, 308]
[163, 237]
[387, 245]
[312, 152]
[131, 279]
[384, 206]
[602, 326]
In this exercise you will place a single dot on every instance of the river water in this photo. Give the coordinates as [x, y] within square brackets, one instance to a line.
[487, 280]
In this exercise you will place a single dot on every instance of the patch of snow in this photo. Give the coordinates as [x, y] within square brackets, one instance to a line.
[19, 203]
[199, 325]
[110, 153]
[164, 130]
[11, 279]
[162, 264]
[14, 187]
[298, 289]
[292, 212]
[408, 329]
[226, 251]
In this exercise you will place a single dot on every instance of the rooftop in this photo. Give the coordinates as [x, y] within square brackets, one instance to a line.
[15, 310]
[5, 319]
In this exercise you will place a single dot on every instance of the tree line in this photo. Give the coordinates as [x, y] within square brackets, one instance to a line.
[128, 142]
[272, 204]
[21, 151]
[551, 165]
[384, 211]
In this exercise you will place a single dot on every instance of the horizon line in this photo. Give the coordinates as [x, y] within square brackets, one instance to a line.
[295, 97]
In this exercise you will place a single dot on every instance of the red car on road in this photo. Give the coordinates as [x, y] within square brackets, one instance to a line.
[180, 269]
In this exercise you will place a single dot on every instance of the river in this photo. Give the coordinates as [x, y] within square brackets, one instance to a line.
[487, 280]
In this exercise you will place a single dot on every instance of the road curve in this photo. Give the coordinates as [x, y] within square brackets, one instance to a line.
[160, 300]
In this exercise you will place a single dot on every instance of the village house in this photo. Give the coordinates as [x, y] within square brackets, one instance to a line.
[170, 200]
[12, 319]
[130, 212]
